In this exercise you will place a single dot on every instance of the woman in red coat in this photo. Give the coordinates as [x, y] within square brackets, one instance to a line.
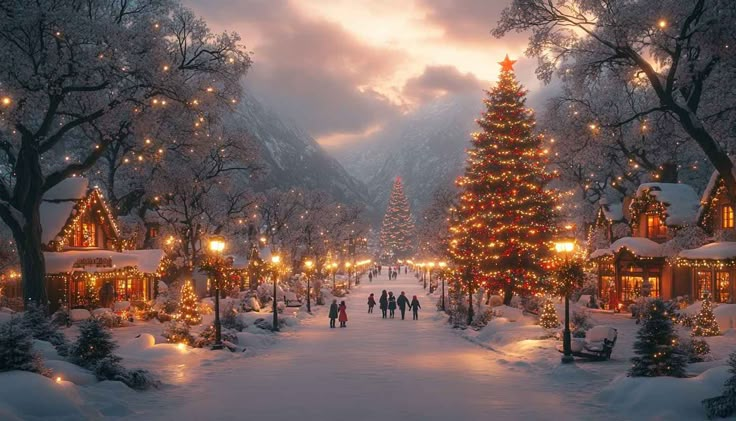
[343, 315]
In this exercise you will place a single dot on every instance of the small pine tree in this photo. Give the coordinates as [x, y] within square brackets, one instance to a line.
[94, 344]
[705, 323]
[725, 405]
[177, 331]
[656, 345]
[42, 328]
[189, 305]
[548, 317]
[16, 348]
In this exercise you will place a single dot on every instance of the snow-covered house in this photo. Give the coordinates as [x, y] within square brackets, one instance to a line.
[713, 266]
[610, 214]
[88, 263]
[640, 263]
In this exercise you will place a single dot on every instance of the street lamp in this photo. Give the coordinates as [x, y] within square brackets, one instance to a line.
[347, 269]
[217, 246]
[309, 265]
[333, 265]
[442, 275]
[565, 248]
[275, 260]
[431, 268]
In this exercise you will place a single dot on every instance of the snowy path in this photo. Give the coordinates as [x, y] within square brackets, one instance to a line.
[374, 369]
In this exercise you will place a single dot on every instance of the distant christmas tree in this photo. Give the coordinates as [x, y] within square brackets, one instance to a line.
[656, 345]
[548, 317]
[503, 226]
[188, 306]
[705, 323]
[397, 230]
[725, 405]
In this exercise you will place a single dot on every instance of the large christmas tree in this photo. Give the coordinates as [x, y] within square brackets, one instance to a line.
[503, 225]
[397, 229]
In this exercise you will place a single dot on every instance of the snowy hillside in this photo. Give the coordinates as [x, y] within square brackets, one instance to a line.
[293, 158]
[426, 148]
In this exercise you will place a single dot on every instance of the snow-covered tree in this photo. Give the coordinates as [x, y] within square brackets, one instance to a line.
[433, 235]
[80, 77]
[673, 55]
[42, 328]
[16, 348]
[656, 344]
[93, 345]
[397, 229]
[725, 405]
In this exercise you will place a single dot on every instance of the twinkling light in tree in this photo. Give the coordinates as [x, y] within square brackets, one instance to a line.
[397, 230]
[188, 310]
[503, 225]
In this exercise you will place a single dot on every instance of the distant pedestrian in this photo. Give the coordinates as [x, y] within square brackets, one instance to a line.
[370, 276]
[403, 302]
[391, 304]
[383, 303]
[379, 269]
[415, 307]
[343, 317]
[395, 274]
[333, 313]
[371, 303]
[405, 269]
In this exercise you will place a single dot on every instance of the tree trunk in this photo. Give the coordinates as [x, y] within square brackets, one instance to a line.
[471, 313]
[508, 293]
[32, 264]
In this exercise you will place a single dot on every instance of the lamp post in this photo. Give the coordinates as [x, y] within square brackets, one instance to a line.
[347, 269]
[442, 275]
[334, 272]
[309, 265]
[275, 260]
[216, 246]
[565, 248]
[431, 268]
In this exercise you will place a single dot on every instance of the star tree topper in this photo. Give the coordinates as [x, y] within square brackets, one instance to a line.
[507, 65]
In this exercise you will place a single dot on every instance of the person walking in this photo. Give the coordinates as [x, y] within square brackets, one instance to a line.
[405, 270]
[343, 317]
[403, 302]
[333, 313]
[391, 304]
[371, 303]
[370, 276]
[383, 303]
[415, 307]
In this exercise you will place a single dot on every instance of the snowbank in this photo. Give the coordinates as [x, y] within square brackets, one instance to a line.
[501, 332]
[664, 397]
[145, 348]
[70, 372]
[26, 395]
[254, 341]
[46, 350]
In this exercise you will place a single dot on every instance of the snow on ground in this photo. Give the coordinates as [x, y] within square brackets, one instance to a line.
[373, 369]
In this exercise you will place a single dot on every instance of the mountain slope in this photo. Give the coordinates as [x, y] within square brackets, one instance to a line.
[426, 148]
[293, 158]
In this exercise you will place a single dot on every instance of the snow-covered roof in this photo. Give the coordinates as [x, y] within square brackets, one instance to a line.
[721, 250]
[102, 260]
[74, 188]
[600, 253]
[53, 218]
[681, 201]
[639, 246]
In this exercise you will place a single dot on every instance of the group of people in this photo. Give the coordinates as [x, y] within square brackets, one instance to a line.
[338, 312]
[393, 272]
[388, 303]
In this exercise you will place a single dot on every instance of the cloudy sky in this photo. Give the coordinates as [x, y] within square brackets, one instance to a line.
[342, 69]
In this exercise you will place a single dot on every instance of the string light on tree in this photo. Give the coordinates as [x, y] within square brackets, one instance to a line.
[188, 306]
[705, 323]
[397, 230]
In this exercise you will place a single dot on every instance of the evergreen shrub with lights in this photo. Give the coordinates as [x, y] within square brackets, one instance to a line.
[397, 229]
[94, 344]
[503, 225]
[178, 332]
[548, 317]
[189, 305]
[42, 328]
[705, 323]
[656, 346]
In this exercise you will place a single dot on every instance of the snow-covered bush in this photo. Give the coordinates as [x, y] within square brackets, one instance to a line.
[230, 319]
[109, 368]
[42, 328]
[110, 319]
[531, 304]
[693, 349]
[16, 348]
[580, 322]
[207, 337]
[62, 317]
[176, 332]
[481, 318]
[725, 405]
[94, 344]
